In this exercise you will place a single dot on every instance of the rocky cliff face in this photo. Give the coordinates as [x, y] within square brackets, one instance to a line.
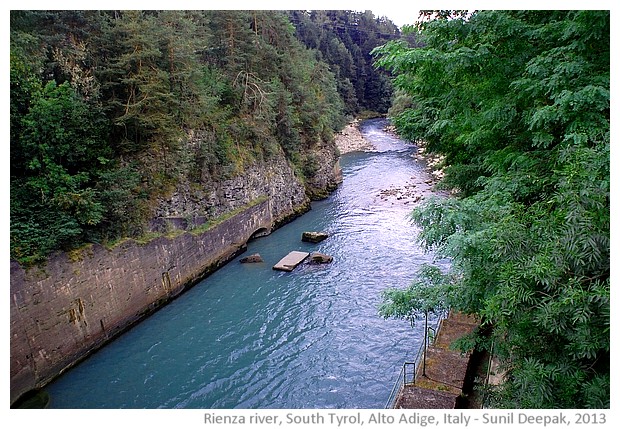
[213, 195]
[326, 174]
[195, 201]
[78, 301]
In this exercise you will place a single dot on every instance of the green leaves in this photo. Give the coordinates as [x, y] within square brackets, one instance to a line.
[518, 102]
[110, 110]
[58, 146]
[430, 293]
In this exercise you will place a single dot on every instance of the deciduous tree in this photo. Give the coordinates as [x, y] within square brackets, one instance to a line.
[518, 102]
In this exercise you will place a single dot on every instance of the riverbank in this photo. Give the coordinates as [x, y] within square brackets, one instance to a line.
[350, 139]
[434, 162]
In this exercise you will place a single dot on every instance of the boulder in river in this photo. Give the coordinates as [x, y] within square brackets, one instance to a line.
[320, 258]
[251, 259]
[313, 236]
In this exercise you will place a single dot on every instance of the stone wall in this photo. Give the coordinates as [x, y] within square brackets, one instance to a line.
[79, 300]
[75, 303]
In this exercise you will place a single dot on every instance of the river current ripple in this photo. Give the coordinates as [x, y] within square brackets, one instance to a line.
[251, 337]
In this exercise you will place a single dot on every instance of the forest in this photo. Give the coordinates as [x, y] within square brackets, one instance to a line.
[518, 104]
[103, 104]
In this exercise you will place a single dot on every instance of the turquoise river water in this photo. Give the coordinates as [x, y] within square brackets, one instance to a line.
[251, 337]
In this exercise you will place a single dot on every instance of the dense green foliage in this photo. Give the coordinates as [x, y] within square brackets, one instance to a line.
[344, 40]
[519, 104]
[105, 104]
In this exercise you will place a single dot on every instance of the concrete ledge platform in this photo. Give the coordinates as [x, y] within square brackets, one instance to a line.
[414, 397]
[440, 378]
[445, 370]
[451, 330]
[290, 261]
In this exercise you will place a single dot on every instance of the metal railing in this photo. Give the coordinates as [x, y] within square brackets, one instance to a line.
[396, 389]
[402, 376]
[412, 380]
[400, 382]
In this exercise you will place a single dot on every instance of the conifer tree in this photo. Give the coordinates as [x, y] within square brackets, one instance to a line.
[112, 110]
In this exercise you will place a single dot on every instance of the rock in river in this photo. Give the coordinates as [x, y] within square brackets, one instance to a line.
[320, 258]
[251, 259]
[313, 237]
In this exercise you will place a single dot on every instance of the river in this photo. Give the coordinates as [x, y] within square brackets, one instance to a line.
[251, 337]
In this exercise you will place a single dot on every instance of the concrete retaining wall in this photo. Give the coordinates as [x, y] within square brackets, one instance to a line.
[78, 301]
